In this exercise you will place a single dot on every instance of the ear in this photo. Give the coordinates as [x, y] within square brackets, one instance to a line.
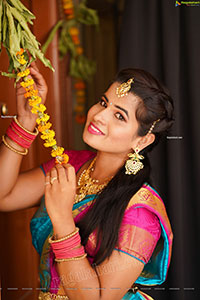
[146, 141]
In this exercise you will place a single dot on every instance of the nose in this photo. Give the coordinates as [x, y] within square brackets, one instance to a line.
[101, 117]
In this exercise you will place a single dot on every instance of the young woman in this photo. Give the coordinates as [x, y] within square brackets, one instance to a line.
[101, 227]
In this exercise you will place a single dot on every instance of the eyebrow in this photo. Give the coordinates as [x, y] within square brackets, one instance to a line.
[117, 106]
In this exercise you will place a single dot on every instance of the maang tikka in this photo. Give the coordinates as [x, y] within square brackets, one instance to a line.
[133, 164]
[124, 88]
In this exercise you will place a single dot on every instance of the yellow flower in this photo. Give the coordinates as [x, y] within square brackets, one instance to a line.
[49, 134]
[59, 151]
[31, 93]
[68, 5]
[24, 73]
[33, 102]
[27, 83]
[80, 93]
[34, 110]
[44, 118]
[42, 128]
[30, 88]
[63, 159]
[50, 143]
[41, 108]
[73, 31]
[21, 60]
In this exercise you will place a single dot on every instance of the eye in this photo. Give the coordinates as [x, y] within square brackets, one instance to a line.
[102, 103]
[119, 116]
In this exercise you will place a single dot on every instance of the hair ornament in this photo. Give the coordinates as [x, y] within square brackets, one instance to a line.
[152, 126]
[124, 88]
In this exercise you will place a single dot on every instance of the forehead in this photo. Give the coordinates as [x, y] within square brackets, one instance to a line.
[129, 102]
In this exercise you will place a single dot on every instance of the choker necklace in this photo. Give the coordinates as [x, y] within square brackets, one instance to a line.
[88, 185]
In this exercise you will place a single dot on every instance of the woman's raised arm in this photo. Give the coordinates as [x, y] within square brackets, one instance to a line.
[29, 185]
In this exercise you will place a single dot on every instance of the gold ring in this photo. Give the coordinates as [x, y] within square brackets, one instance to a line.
[47, 183]
[53, 179]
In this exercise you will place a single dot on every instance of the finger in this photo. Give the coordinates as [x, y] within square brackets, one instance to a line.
[71, 174]
[34, 66]
[61, 174]
[54, 176]
[37, 75]
[47, 181]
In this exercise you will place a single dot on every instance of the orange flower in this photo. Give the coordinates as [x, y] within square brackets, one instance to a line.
[79, 85]
[80, 119]
[20, 52]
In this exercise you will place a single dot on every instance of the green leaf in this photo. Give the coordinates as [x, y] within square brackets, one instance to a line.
[35, 52]
[4, 26]
[23, 10]
[51, 36]
[14, 43]
[86, 15]
[23, 24]
[11, 75]
[1, 16]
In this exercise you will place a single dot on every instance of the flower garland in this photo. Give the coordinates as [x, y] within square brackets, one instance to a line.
[38, 108]
[81, 68]
[79, 84]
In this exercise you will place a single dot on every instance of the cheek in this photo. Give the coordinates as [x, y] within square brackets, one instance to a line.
[122, 135]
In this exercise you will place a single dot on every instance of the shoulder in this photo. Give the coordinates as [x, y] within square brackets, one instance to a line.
[76, 159]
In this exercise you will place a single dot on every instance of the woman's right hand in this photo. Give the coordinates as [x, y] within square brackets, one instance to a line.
[24, 115]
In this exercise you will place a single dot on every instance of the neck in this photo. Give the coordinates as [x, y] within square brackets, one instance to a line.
[107, 165]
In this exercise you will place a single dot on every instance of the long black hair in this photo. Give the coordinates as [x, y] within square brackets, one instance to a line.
[107, 211]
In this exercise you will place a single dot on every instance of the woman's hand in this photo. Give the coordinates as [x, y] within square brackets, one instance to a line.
[60, 190]
[25, 116]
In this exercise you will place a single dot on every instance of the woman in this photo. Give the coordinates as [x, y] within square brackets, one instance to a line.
[101, 226]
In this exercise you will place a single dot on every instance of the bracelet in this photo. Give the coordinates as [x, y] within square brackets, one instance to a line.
[64, 238]
[70, 258]
[13, 149]
[29, 132]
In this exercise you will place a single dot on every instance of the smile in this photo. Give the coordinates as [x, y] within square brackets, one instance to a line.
[94, 130]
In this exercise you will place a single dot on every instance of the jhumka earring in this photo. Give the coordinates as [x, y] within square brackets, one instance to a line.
[133, 164]
[124, 88]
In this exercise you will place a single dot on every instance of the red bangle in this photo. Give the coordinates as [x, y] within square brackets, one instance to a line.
[20, 135]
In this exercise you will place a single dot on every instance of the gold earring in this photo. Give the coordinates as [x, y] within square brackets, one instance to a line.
[133, 165]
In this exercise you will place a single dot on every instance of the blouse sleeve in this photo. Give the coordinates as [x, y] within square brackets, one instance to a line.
[139, 233]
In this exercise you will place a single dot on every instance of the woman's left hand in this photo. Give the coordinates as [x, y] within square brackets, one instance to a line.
[60, 190]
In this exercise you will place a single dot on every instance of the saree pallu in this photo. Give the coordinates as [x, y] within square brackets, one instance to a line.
[144, 212]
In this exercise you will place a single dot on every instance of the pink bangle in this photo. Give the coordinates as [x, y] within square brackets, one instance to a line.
[67, 248]
[70, 253]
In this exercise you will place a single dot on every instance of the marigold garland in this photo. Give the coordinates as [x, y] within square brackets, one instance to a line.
[38, 108]
[79, 84]
[81, 68]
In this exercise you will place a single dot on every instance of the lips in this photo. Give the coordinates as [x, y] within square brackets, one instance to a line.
[94, 130]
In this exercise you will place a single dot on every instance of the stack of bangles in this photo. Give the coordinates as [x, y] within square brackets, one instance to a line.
[20, 135]
[68, 248]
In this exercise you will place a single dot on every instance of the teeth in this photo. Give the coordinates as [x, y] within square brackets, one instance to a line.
[94, 128]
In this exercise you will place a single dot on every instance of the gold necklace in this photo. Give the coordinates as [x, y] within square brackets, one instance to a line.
[87, 185]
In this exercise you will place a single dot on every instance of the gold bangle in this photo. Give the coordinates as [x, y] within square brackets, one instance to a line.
[30, 132]
[13, 149]
[59, 260]
[64, 238]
